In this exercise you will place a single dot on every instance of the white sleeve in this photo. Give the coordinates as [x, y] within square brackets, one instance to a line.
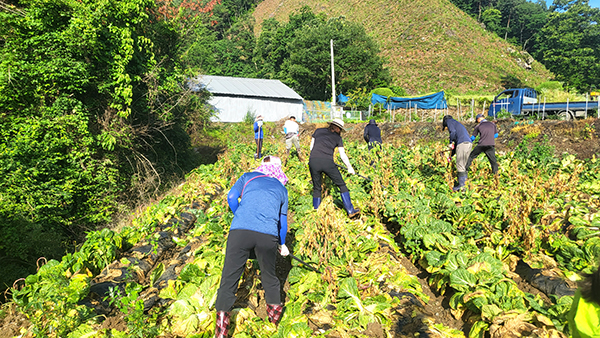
[345, 159]
[312, 143]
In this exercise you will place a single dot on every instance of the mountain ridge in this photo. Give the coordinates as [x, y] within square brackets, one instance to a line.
[428, 45]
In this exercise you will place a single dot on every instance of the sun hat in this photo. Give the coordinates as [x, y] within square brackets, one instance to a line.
[259, 118]
[478, 116]
[338, 122]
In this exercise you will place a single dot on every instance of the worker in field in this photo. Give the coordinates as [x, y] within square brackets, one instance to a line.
[460, 144]
[291, 130]
[487, 132]
[372, 135]
[584, 317]
[259, 201]
[258, 136]
[322, 146]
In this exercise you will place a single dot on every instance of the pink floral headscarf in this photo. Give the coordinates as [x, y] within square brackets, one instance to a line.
[273, 169]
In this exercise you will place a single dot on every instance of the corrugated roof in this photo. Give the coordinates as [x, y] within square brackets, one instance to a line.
[247, 87]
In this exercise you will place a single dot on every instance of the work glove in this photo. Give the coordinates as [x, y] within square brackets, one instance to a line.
[449, 159]
[351, 170]
[283, 250]
[259, 123]
[451, 146]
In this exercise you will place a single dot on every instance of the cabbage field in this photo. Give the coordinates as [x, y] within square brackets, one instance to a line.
[502, 255]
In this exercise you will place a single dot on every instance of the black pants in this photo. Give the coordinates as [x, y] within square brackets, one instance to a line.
[239, 245]
[317, 167]
[258, 147]
[490, 152]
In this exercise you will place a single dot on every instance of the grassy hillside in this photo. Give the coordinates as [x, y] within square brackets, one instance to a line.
[430, 45]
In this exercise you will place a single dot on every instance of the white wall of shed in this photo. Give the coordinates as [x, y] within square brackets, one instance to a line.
[233, 109]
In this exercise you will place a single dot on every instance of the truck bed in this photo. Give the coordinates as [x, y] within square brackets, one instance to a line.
[560, 106]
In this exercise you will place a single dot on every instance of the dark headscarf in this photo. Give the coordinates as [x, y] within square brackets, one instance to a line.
[445, 122]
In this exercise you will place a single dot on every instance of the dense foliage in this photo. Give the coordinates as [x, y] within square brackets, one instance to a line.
[297, 51]
[92, 109]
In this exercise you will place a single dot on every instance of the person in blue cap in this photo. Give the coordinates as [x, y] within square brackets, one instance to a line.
[258, 136]
[487, 132]
[259, 201]
[460, 144]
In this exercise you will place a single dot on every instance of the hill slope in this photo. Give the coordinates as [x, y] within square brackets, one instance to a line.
[430, 45]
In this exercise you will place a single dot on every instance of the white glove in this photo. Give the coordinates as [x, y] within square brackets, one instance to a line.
[259, 123]
[283, 250]
[351, 170]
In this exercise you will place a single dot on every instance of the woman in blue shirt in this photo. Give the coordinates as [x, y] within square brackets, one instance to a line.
[258, 136]
[259, 201]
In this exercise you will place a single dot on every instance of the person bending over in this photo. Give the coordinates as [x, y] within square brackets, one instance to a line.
[259, 201]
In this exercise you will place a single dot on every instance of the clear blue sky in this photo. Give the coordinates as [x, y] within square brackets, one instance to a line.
[595, 3]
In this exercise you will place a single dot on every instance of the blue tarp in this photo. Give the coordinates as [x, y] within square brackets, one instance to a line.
[342, 98]
[432, 101]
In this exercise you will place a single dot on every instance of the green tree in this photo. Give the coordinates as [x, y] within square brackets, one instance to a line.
[272, 46]
[298, 53]
[568, 43]
[91, 109]
[492, 17]
[356, 59]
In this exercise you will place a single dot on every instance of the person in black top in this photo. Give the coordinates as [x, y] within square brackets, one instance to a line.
[460, 144]
[372, 134]
[322, 146]
[487, 132]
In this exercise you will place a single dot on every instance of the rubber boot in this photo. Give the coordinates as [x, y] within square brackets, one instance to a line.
[316, 202]
[274, 311]
[462, 178]
[348, 205]
[222, 324]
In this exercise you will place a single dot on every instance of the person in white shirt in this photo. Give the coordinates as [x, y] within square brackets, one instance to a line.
[291, 130]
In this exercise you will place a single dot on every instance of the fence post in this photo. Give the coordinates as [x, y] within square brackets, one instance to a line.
[586, 104]
[567, 114]
[544, 109]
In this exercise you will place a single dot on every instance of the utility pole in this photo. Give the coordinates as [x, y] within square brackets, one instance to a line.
[332, 80]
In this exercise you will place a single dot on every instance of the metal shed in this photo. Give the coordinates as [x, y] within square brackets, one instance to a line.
[234, 97]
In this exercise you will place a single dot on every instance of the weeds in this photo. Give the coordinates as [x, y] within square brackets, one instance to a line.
[138, 323]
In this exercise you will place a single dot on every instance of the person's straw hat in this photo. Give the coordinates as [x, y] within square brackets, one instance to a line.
[338, 122]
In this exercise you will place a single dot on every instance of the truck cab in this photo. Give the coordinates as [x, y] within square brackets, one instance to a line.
[511, 100]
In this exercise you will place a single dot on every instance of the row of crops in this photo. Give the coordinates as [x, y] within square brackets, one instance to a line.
[541, 210]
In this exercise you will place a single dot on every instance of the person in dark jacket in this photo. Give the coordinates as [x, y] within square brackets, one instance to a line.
[259, 225]
[487, 132]
[258, 136]
[372, 135]
[584, 317]
[460, 144]
[322, 146]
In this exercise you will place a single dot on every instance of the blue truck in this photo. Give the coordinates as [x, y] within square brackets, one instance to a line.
[524, 102]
